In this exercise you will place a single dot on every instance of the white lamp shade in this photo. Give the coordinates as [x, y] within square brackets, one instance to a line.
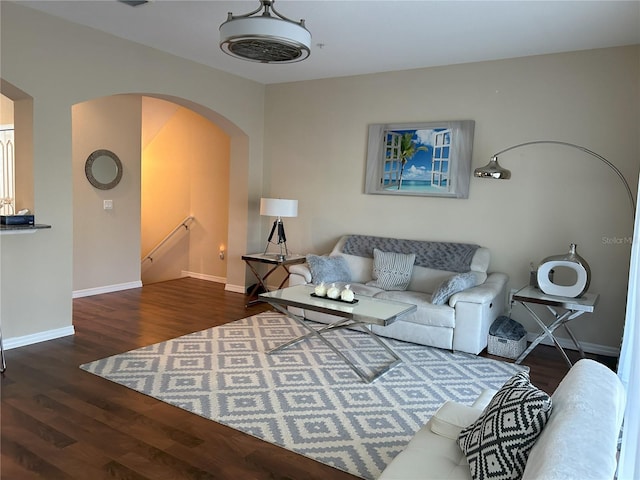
[278, 207]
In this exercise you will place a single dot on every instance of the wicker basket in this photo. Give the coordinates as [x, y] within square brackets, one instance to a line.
[507, 338]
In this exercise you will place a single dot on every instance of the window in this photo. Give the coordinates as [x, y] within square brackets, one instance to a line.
[7, 174]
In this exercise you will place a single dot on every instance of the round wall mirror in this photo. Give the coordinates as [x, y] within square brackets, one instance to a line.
[103, 169]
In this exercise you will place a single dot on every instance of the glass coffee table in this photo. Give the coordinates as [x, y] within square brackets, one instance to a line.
[365, 312]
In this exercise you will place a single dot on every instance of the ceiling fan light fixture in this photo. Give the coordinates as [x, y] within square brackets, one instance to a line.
[265, 38]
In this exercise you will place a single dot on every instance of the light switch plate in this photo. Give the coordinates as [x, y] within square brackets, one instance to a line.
[108, 204]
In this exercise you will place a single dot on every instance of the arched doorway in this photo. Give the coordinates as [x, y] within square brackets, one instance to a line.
[167, 136]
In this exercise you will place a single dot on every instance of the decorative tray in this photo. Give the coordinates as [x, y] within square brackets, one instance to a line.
[355, 300]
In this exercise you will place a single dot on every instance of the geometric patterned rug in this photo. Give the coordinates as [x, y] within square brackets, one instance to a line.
[305, 398]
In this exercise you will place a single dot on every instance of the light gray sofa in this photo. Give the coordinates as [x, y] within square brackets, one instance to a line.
[579, 440]
[461, 324]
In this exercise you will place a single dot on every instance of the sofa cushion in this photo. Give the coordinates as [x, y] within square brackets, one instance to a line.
[360, 267]
[426, 313]
[428, 455]
[328, 269]
[498, 443]
[391, 271]
[454, 284]
[366, 290]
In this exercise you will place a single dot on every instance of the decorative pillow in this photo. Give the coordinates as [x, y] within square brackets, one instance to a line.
[392, 271]
[497, 445]
[454, 284]
[325, 269]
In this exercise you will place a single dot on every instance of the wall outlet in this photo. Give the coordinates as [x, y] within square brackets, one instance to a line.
[108, 204]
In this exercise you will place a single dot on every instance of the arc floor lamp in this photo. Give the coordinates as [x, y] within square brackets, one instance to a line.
[494, 170]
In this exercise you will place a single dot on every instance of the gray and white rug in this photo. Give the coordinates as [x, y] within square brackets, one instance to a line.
[305, 398]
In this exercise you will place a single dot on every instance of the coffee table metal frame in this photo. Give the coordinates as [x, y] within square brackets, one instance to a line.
[368, 311]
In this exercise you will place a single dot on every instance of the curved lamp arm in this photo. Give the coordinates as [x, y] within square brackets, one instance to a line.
[494, 170]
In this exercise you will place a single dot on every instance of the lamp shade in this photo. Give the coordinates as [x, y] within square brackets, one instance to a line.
[492, 170]
[278, 207]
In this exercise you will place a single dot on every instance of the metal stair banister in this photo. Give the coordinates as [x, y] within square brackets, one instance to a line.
[184, 223]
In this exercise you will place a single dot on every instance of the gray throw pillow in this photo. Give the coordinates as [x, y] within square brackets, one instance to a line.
[498, 443]
[454, 284]
[328, 269]
[392, 271]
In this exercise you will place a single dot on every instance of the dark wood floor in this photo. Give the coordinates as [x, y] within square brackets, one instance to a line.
[59, 422]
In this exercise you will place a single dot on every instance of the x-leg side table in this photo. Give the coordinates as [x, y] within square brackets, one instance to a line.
[367, 312]
[573, 308]
[275, 262]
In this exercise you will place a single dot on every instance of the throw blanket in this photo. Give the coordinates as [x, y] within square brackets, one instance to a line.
[453, 257]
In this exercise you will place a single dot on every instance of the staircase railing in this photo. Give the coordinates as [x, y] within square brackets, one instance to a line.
[185, 223]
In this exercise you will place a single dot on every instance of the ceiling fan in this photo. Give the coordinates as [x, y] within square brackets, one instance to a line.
[269, 37]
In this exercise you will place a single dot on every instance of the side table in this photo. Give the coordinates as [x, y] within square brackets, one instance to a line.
[275, 261]
[574, 307]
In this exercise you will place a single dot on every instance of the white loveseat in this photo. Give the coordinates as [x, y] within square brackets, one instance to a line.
[461, 324]
[579, 440]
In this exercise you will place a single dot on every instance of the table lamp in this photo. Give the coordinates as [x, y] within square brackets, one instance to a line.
[278, 207]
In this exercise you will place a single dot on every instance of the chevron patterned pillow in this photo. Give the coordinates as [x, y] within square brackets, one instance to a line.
[497, 445]
[392, 271]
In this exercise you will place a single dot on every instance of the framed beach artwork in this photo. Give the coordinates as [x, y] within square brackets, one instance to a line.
[424, 159]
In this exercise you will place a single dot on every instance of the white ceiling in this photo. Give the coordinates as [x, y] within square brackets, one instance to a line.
[351, 37]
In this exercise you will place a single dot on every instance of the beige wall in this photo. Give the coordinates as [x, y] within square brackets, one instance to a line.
[60, 65]
[106, 243]
[315, 151]
[185, 172]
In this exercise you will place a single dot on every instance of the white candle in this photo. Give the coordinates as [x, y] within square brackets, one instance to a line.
[320, 290]
[347, 294]
[333, 292]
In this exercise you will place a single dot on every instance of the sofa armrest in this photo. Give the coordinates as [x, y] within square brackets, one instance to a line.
[299, 274]
[451, 418]
[485, 293]
[476, 309]
[580, 438]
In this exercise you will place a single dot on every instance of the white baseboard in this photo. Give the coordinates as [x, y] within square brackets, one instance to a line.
[567, 344]
[203, 276]
[236, 288]
[106, 289]
[211, 278]
[15, 342]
